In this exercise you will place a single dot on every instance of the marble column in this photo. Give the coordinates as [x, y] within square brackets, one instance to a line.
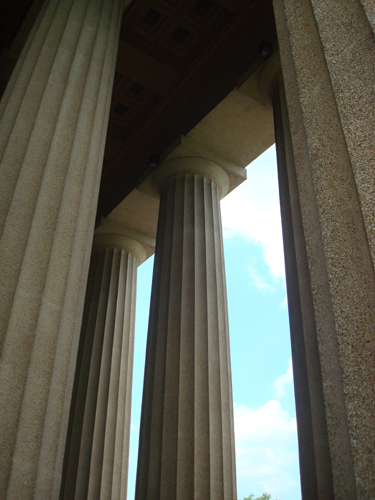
[186, 437]
[53, 121]
[98, 441]
[327, 54]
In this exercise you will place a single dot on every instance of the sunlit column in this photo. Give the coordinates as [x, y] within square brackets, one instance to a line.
[97, 457]
[186, 437]
[53, 122]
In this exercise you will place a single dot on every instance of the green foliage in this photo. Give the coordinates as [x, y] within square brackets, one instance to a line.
[265, 496]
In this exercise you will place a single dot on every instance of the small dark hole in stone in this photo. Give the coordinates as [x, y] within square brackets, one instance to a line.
[265, 49]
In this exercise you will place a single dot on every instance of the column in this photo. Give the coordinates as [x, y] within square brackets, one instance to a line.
[53, 121]
[314, 454]
[328, 60]
[98, 441]
[186, 436]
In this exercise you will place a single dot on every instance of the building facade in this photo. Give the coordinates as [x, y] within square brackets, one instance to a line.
[122, 125]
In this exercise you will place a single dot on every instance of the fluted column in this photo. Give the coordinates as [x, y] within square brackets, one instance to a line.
[327, 54]
[313, 444]
[186, 438]
[53, 121]
[98, 442]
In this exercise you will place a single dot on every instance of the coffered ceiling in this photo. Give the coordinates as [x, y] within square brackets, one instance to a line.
[177, 60]
[159, 42]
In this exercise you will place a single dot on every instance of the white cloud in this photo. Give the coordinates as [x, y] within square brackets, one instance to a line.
[259, 282]
[266, 426]
[266, 451]
[252, 211]
[284, 380]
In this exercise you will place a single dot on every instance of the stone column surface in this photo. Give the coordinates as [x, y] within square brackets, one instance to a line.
[186, 446]
[314, 454]
[327, 51]
[98, 441]
[53, 121]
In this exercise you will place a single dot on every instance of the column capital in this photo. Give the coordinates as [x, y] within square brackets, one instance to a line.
[187, 156]
[190, 165]
[111, 234]
[112, 240]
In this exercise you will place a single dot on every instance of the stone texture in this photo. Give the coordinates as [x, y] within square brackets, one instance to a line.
[98, 440]
[327, 54]
[349, 49]
[186, 438]
[369, 8]
[53, 126]
[314, 456]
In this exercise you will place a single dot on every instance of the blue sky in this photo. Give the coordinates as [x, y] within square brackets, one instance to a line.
[264, 411]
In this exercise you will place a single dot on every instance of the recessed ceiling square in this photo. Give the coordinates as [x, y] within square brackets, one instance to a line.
[202, 7]
[180, 34]
[137, 88]
[121, 109]
[151, 18]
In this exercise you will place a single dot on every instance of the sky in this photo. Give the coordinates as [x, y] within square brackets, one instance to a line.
[262, 374]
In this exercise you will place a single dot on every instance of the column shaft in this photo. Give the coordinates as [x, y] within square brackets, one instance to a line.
[53, 125]
[327, 53]
[314, 456]
[98, 442]
[186, 438]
